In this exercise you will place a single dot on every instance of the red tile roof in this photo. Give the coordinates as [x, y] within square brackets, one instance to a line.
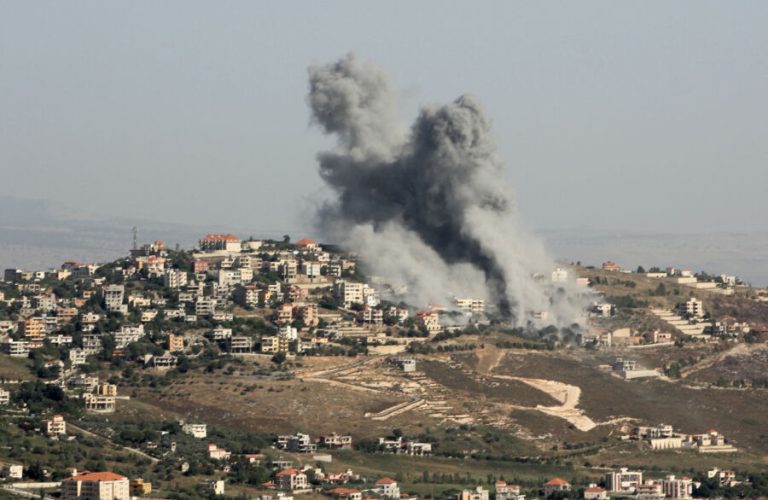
[594, 489]
[96, 476]
[386, 480]
[287, 472]
[556, 482]
[220, 237]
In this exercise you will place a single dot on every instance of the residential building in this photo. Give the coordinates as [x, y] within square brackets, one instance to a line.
[506, 491]
[113, 298]
[139, 487]
[197, 431]
[12, 471]
[175, 343]
[5, 397]
[216, 453]
[674, 487]
[205, 306]
[595, 492]
[556, 485]
[240, 345]
[96, 486]
[336, 441]
[99, 403]
[342, 493]
[692, 308]
[479, 493]
[623, 481]
[559, 275]
[470, 306]
[429, 320]
[227, 242]
[291, 479]
[387, 487]
[55, 426]
[610, 266]
[175, 278]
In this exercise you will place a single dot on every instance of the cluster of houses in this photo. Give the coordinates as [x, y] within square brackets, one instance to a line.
[303, 443]
[664, 437]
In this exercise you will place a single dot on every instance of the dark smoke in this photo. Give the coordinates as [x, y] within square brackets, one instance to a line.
[439, 186]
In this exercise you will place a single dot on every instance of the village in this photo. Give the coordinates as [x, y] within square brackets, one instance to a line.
[281, 305]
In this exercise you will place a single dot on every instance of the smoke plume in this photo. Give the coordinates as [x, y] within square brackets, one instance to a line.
[428, 209]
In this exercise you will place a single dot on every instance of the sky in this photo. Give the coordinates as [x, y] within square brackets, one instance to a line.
[645, 116]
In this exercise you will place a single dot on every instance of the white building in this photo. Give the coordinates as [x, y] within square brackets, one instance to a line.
[387, 487]
[197, 431]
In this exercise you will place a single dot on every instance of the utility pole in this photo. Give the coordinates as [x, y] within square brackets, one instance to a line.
[135, 238]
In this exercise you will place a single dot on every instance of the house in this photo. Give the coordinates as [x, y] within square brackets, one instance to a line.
[336, 441]
[54, 426]
[556, 485]
[98, 403]
[559, 275]
[594, 492]
[139, 487]
[692, 308]
[429, 320]
[197, 431]
[291, 479]
[674, 487]
[5, 397]
[175, 343]
[226, 242]
[297, 443]
[215, 488]
[506, 491]
[12, 471]
[216, 453]
[726, 478]
[96, 486]
[610, 266]
[387, 487]
[345, 493]
[650, 490]
[240, 345]
[479, 493]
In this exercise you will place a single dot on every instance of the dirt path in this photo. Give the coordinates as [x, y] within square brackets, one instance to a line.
[738, 349]
[488, 359]
[567, 395]
[126, 448]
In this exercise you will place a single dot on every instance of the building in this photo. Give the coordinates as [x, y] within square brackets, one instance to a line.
[96, 403]
[595, 492]
[429, 320]
[506, 491]
[345, 493]
[227, 242]
[139, 487]
[96, 486]
[470, 306]
[556, 485]
[5, 397]
[610, 266]
[175, 343]
[12, 471]
[692, 308]
[559, 275]
[623, 481]
[216, 453]
[479, 493]
[113, 298]
[387, 487]
[291, 479]
[198, 431]
[240, 345]
[650, 490]
[336, 441]
[54, 426]
[674, 487]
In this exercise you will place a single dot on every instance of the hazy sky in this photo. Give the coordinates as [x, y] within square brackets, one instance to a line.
[611, 115]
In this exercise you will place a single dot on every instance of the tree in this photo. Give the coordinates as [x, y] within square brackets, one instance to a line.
[640, 270]
[279, 358]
